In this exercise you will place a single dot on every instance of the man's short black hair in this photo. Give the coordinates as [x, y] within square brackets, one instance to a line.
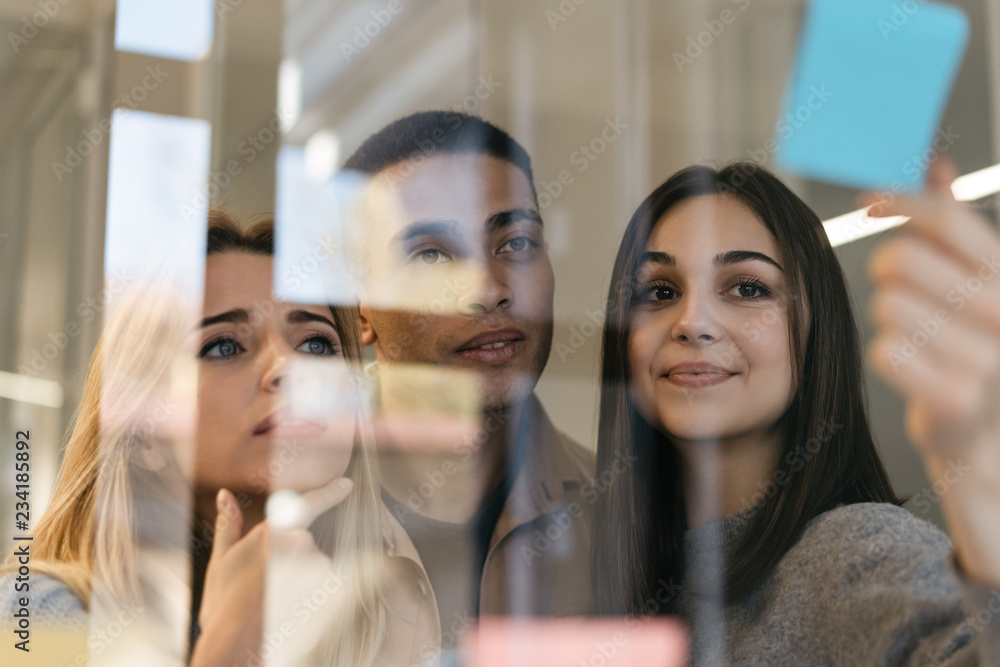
[427, 133]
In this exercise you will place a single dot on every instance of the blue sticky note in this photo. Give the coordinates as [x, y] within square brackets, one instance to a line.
[869, 86]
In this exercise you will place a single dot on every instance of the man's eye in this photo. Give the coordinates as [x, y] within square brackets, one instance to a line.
[430, 256]
[224, 347]
[318, 345]
[518, 244]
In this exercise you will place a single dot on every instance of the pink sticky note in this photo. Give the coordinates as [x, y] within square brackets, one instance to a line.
[576, 642]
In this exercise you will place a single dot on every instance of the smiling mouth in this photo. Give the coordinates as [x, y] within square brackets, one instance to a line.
[698, 380]
[493, 348]
[697, 375]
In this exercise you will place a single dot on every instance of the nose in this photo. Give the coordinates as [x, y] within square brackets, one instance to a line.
[490, 290]
[696, 321]
[274, 365]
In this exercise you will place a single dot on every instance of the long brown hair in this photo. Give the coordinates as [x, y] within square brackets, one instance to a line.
[641, 518]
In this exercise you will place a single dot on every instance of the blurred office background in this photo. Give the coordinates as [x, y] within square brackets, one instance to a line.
[560, 75]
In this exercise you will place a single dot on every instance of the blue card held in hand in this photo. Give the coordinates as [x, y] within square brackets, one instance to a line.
[869, 86]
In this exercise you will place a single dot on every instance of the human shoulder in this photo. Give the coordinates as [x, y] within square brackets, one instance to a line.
[50, 602]
[865, 542]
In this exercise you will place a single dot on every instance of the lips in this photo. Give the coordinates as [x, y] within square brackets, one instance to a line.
[692, 375]
[493, 347]
[283, 425]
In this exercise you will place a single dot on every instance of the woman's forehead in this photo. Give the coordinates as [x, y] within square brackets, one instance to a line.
[703, 226]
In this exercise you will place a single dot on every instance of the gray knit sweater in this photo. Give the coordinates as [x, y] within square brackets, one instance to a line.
[52, 604]
[866, 584]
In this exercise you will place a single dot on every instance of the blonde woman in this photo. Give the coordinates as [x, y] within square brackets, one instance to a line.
[116, 473]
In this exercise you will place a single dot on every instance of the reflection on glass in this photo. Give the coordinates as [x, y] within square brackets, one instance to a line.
[157, 171]
[311, 262]
[177, 29]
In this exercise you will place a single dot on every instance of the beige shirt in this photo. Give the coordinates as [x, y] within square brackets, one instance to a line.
[538, 562]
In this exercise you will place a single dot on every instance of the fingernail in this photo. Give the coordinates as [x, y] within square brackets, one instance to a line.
[875, 210]
[345, 483]
[221, 500]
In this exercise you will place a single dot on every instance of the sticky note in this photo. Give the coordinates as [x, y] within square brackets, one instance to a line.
[869, 85]
[658, 641]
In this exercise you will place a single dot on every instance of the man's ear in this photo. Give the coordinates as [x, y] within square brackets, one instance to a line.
[368, 335]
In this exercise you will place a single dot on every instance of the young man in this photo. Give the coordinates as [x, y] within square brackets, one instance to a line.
[457, 290]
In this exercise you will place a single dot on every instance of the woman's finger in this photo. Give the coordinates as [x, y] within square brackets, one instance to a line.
[951, 395]
[946, 224]
[290, 510]
[228, 524]
[328, 496]
[971, 295]
[908, 259]
[940, 175]
[923, 328]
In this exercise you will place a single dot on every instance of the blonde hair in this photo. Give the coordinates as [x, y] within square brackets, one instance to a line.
[89, 531]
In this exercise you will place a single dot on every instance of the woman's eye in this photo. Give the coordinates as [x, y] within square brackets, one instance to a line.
[518, 244]
[430, 256]
[318, 345]
[663, 293]
[655, 293]
[222, 348]
[751, 290]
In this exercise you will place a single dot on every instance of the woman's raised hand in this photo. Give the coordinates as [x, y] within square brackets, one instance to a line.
[936, 308]
[282, 557]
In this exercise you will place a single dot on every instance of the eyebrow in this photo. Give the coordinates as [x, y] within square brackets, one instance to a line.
[495, 221]
[304, 316]
[738, 256]
[426, 228]
[242, 316]
[722, 259]
[502, 219]
[239, 316]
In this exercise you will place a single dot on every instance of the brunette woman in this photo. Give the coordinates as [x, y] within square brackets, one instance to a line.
[732, 378]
